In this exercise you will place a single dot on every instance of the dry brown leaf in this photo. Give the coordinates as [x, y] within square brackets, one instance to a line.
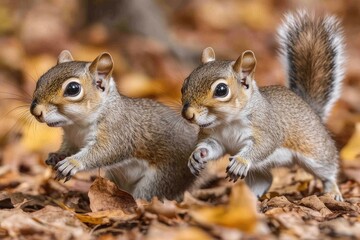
[275, 211]
[240, 213]
[48, 222]
[315, 203]
[280, 201]
[160, 231]
[60, 219]
[341, 228]
[105, 195]
[166, 208]
[307, 213]
[102, 217]
[334, 205]
[15, 221]
[294, 223]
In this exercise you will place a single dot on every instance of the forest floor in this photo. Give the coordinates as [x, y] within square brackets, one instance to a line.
[35, 206]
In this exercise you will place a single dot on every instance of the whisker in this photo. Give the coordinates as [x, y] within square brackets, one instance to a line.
[15, 109]
[15, 99]
[18, 87]
[14, 94]
[31, 77]
[174, 105]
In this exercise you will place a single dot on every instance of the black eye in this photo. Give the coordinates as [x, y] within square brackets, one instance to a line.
[221, 90]
[72, 89]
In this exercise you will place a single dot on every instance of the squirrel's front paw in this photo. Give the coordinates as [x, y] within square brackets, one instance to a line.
[197, 160]
[67, 168]
[237, 168]
[54, 158]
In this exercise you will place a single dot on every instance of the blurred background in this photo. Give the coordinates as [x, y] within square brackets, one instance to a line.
[155, 45]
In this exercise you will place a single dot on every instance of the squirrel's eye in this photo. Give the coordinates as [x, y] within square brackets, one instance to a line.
[72, 89]
[221, 90]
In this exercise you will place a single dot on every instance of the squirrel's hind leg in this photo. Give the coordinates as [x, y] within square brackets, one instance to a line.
[258, 181]
[326, 171]
[330, 186]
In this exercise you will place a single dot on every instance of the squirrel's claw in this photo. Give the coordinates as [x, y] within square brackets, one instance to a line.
[67, 178]
[67, 168]
[237, 168]
[58, 176]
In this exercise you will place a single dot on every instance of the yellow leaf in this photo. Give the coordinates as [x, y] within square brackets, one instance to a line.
[240, 213]
[92, 220]
[352, 149]
[107, 215]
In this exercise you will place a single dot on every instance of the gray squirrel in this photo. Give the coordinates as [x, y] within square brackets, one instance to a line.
[266, 127]
[142, 144]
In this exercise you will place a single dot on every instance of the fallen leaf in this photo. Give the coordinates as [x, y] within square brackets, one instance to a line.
[161, 231]
[334, 205]
[105, 195]
[102, 217]
[240, 213]
[166, 208]
[49, 223]
[341, 228]
[294, 223]
[60, 219]
[351, 151]
[280, 201]
[315, 203]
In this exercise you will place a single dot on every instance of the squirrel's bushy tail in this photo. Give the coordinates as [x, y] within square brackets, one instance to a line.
[312, 50]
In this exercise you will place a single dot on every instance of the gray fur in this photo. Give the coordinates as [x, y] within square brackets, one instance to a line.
[313, 52]
[272, 126]
[143, 145]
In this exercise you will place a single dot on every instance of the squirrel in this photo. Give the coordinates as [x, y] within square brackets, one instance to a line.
[143, 145]
[265, 127]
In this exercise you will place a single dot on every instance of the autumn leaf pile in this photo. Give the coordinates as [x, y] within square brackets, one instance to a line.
[153, 64]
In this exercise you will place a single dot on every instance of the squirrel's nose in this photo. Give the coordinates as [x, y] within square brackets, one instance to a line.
[188, 112]
[37, 112]
[33, 105]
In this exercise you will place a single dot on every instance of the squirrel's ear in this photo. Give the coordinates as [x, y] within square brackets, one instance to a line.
[208, 55]
[245, 65]
[102, 68]
[65, 56]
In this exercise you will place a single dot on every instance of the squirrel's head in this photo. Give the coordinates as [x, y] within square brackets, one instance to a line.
[71, 91]
[217, 90]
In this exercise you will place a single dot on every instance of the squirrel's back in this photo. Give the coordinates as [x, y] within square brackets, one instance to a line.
[150, 124]
[157, 135]
[312, 51]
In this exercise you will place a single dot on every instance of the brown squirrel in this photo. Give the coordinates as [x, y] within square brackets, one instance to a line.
[143, 145]
[266, 127]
